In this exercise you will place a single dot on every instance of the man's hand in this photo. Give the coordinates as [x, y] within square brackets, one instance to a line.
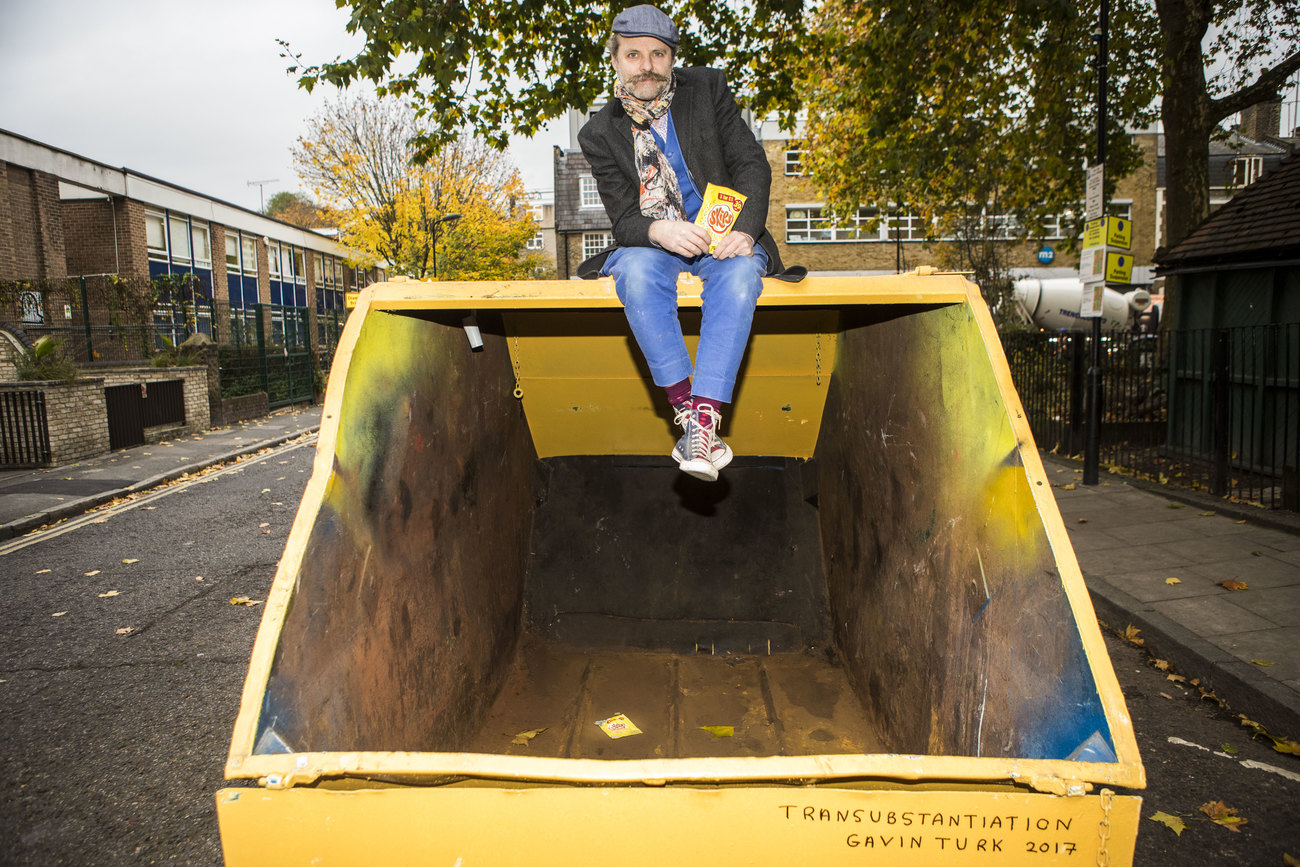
[680, 237]
[734, 244]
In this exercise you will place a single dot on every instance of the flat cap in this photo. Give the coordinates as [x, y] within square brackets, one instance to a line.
[647, 20]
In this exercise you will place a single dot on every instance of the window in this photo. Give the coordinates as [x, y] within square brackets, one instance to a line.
[180, 238]
[905, 227]
[249, 246]
[793, 163]
[273, 260]
[1246, 170]
[536, 242]
[589, 196]
[594, 242]
[202, 248]
[232, 253]
[318, 268]
[299, 266]
[155, 235]
[338, 273]
[810, 223]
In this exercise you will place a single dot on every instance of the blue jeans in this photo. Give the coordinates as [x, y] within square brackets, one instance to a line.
[646, 281]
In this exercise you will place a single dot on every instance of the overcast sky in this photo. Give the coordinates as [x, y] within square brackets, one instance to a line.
[190, 92]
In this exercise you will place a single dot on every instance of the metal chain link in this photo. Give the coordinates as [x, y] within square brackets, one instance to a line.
[1103, 829]
[519, 389]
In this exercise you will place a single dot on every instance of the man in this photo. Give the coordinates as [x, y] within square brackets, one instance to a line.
[653, 149]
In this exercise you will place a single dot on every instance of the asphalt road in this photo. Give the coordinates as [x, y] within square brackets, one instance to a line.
[114, 744]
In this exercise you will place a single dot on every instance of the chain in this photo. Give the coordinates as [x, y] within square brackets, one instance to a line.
[819, 358]
[1103, 828]
[519, 389]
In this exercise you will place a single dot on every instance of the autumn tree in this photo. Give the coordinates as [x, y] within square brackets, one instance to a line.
[945, 104]
[298, 209]
[359, 157]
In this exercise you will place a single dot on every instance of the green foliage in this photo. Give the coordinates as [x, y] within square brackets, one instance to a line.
[501, 66]
[43, 362]
[300, 210]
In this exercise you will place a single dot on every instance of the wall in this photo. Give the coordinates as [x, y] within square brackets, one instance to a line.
[78, 420]
[197, 412]
[31, 228]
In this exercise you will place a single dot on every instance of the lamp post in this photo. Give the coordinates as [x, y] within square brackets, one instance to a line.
[450, 218]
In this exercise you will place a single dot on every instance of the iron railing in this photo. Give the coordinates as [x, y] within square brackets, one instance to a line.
[24, 429]
[1215, 409]
[284, 351]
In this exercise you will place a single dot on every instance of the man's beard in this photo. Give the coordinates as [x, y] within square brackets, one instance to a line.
[634, 83]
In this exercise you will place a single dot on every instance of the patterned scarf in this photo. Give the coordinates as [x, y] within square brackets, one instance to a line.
[661, 195]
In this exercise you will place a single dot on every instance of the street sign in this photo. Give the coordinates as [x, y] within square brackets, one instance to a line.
[1114, 232]
[1105, 265]
[1094, 204]
[350, 299]
[1090, 303]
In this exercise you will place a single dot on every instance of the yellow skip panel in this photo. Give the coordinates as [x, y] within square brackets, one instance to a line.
[483, 826]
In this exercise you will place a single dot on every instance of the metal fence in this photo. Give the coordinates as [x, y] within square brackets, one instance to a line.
[1215, 410]
[284, 351]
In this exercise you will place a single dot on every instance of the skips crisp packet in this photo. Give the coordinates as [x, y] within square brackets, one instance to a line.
[718, 213]
[618, 726]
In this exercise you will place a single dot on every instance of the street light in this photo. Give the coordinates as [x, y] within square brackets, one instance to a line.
[450, 218]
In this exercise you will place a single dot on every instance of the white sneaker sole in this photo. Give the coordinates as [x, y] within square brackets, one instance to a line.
[700, 469]
[720, 463]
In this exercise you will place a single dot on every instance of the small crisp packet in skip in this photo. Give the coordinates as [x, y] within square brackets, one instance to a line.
[618, 726]
[718, 213]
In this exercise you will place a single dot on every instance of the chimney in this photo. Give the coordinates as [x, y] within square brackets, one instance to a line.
[1262, 119]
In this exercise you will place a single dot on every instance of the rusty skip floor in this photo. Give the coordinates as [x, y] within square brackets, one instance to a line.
[785, 704]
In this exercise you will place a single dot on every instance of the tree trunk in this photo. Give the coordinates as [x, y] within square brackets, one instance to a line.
[1186, 112]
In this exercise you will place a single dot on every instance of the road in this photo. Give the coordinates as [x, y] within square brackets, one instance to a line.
[114, 741]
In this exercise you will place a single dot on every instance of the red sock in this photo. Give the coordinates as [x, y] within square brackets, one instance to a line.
[706, 419]
[679, 393]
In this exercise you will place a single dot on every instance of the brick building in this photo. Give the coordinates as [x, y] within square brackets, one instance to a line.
[63, 215]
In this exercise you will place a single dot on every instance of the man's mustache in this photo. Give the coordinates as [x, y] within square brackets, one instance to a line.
[648, 76]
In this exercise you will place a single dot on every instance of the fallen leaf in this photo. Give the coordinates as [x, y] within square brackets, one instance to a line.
[1130, 634]
[1282, 745]
[130, 560]
[1161, 664]
[720, 731]
[264, 524]
[126, 630]
[1221, 814]
[1290, 861]
[1177, 506]
[523, 738]
[91, 574]
[1175, 824]
[1263, 662]
[1232, 584]
[109, 594]
[42, 571]
[1207, 514]
[1083, 520]
[58, 614]
[1069, 487]
[103, 520]
[198, 577]
[244, 600]
[266, 490]
[1173, 581]
[1176, 678]
[1167, 695]
[1229, 749]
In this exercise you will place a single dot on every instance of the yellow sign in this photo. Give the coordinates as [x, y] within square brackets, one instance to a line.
[350, 299]
[1108, 231]
[1119, 267]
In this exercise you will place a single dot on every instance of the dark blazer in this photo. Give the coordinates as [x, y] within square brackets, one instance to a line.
[718, 148]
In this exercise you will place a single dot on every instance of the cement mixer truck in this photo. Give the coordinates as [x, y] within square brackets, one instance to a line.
[1054, 305]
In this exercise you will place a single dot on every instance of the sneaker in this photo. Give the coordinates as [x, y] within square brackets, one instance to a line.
[701, 452]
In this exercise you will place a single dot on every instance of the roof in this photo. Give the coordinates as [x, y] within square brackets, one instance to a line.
[1260, 224]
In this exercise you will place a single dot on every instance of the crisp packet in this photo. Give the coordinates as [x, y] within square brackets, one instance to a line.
[618, 726]
[718, 213]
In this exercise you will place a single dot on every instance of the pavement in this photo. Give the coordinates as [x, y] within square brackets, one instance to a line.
[33, 498]
[1154, 558]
